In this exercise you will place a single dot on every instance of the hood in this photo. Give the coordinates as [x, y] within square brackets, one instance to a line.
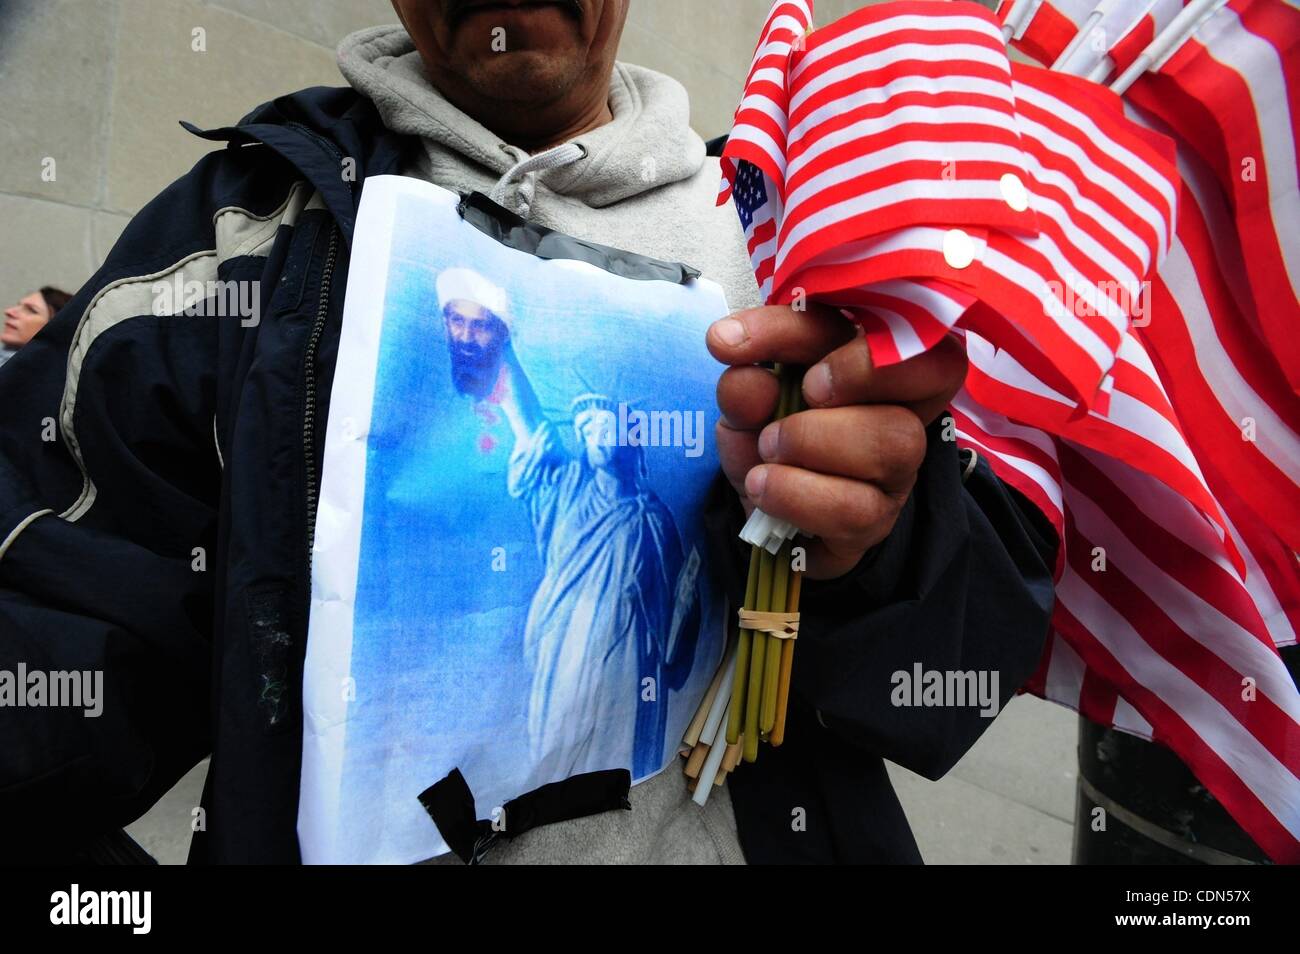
[649, 143]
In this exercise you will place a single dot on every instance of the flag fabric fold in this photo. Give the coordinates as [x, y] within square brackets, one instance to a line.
[1232, 92]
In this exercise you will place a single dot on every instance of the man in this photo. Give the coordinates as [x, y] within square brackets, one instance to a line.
[475, 314]
[166, 536]
[32, 313]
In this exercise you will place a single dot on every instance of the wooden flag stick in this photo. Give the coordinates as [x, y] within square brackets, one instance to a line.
[696, 760]
[772, 661]
[790, 597]
[715, 734]
[740, 684]
[731, 758]
[758, 648]
[777, 735]
[693, 730]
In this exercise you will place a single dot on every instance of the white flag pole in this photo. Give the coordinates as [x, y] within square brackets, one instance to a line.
[1172, 37]
[1018, 18]
[714, 733]
[1102, 69]
[1111, 18]
[1101, 10]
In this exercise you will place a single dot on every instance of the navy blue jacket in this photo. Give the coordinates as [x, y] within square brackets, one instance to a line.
[158, 483]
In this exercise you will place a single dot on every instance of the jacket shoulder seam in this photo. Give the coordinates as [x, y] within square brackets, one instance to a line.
[237, 232]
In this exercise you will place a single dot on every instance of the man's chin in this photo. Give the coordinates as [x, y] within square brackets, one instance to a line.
[525, 77]
[473, 385]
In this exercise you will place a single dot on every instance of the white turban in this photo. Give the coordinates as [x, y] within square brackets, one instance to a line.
[469, 285]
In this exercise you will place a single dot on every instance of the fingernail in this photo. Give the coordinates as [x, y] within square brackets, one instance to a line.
[730, 331]
[767, 440]
[755, 481]
[817, 383]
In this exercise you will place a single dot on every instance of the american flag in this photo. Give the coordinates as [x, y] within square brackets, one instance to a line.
[1227, 97]
[1225, 380]
[752, 194]
[1231, 92]
[1220, 301]
[905, 115]
[1128, 435]
[759, 129]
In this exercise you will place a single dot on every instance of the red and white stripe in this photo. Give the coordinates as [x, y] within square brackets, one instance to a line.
[758, 132]
[1154, 626]
[1104, 200]
[1024, 457]
[1272, 571]
[1173, 629]
[899, 116]
[1223, 379]
[1232, 92]
[1138, 426]
[760, 240]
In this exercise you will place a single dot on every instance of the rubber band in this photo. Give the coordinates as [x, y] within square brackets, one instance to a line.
[780, 625]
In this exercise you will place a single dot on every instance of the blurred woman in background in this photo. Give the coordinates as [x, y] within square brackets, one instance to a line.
[29, 316]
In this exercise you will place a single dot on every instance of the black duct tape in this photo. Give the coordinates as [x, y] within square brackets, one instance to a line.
[515, 232]
[450, 804]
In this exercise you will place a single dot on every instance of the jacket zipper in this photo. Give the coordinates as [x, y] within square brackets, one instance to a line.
[309, 364]
[309, 390]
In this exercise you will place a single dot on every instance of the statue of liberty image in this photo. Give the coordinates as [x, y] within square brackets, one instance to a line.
[606, 632]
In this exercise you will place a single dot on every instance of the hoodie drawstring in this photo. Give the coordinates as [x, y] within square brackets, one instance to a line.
[561, 155]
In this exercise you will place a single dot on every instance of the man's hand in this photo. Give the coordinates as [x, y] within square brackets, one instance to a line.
[842, 469]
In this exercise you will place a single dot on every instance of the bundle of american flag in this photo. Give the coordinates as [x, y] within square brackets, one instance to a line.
[1122, 264]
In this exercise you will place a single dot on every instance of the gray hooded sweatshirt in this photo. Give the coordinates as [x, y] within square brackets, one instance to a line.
[644, 185]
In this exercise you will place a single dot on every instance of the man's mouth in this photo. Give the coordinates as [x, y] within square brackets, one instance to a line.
[469, 353]
[456, 11]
